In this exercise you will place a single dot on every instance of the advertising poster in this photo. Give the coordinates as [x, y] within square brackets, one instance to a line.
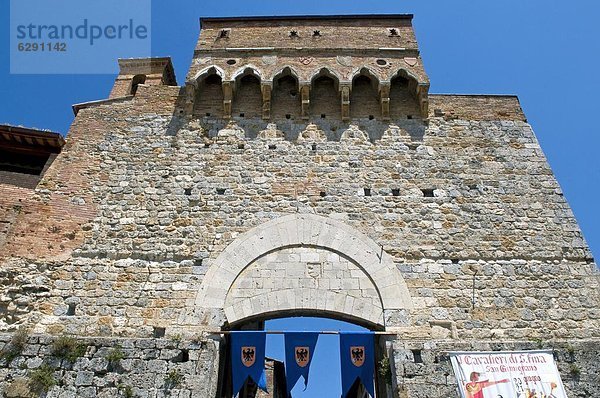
[516, 374]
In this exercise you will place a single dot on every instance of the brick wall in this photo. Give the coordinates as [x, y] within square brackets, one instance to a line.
[286, 98]
[402, 102]
[209, 98]
[12, 200]
[325, 99]
[364, 101]
[247, 98]
[476, 107]
[19, 179]
[338, 33]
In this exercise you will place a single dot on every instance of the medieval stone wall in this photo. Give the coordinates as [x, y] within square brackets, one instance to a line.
[108, 367]
[101, 367]
[445, 200]
[457, 204]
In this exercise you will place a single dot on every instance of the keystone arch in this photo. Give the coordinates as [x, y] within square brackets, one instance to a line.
[304, 231]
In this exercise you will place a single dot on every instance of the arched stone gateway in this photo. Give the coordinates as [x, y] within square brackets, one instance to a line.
[304, 263]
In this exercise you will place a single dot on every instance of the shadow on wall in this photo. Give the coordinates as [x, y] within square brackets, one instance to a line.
[248, 102]
[248, 95]
[333, 129]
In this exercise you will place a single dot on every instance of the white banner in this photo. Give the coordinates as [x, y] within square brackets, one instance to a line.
[515, 374]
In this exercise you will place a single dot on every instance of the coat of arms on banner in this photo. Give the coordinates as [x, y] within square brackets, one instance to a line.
[302, 355]
[248, 356]
[357, 355]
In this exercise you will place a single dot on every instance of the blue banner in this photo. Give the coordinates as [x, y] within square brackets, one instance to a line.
[248, 359]
[299, 351]
[357, 355]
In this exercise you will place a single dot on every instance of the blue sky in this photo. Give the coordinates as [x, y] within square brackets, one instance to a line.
[324, 374]
[546, 52]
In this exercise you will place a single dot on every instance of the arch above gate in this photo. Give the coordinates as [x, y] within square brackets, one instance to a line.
[303, 230]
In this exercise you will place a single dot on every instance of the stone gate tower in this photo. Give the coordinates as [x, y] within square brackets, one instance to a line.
[303, 168]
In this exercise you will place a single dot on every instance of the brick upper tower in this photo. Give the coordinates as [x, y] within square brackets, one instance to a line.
[342, 67]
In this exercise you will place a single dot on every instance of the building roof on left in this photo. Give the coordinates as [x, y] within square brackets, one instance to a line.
[30, 140]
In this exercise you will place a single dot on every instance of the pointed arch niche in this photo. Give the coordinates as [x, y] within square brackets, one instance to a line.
[403, 96]
[208, 99]
[364, 98]
[325, 100]
[287, 101]
[247, 97]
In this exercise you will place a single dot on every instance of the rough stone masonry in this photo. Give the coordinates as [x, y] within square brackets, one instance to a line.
[303, 168]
